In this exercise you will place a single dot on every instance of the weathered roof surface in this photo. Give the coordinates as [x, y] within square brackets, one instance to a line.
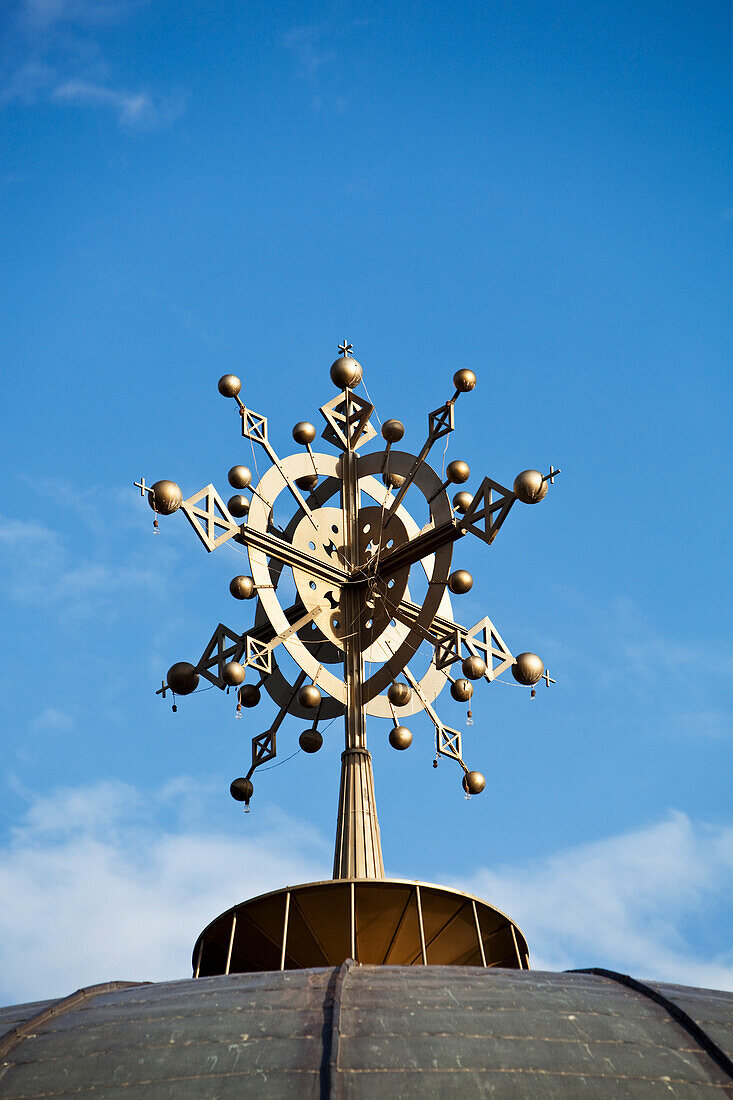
[376, 1031]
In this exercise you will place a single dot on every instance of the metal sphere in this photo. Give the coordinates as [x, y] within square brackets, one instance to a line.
[464, 380]
[458, 471]
[461, 690]
[309, 696]
[182, 678]
[249, 695]
[460, 581]
[399, 694]
[393, 430]
[473, 782]
[238, 506]
[310, 740]
[308, 482]
[242, 588]
[242, 790]
[462, 502]
[393, 481]
[240, 477]
[345, 371]
[304, 432]
[527, 668]
[233, 673]
[473, 668]
[229, 385]
[400, 737]
[165, 498]
[530, 487]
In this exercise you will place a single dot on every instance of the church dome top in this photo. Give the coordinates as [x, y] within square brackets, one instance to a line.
[373, 1031]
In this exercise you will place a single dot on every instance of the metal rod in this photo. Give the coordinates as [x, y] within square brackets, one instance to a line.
[231, 942]
[299, 499]
[197, 971]
[358, 851]
[478, 933]
[352, 903]
[420, 924]
[285, 930]
[516, 946]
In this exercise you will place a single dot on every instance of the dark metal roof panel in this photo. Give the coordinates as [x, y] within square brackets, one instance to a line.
[515, 1025]
[709, 1009]
[370, 1032]
[18, 1014]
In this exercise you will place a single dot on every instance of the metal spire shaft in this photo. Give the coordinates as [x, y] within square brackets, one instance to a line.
[358, 851]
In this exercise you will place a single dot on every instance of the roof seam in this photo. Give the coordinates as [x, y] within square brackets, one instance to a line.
[12, 1037]
[701, 1037]
[331, 1088]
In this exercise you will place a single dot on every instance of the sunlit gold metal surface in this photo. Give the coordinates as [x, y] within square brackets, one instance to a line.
[373, 921]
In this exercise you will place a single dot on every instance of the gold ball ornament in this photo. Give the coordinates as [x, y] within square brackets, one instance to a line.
[307, 482]
[399, 694]
[309, 696]
[461, 690]
[473, 668]
[229, 385]
[233, 673]
[530, 487]
[240, 477]
[462, 502]
[458, 471]
[460, 581]
[242, 588]
[464, 380]
[182, 678]
[346, 372]
[310, 740]
[393, 430]
[304, 432]
[165, 497]
[393, 481]
[473, 782]
[400, 738]
[248, 695]
[242, 789]
[527, 668]
[238, 506]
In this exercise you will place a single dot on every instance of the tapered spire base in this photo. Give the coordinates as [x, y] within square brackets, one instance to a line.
[358, 843]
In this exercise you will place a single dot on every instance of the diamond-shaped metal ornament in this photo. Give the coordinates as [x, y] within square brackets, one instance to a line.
[449, 742]
[254, 426]
[264, 748]
[447, 647]
[347, 421]
[217, 525]
[485, 641]
[224, 646]
[258, 655]
[441, 421]
[490, 505]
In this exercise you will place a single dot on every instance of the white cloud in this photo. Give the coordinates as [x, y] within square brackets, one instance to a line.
[307, 45]
[131, 108]
[106, 881]
[39, 565]
[94, 887]
[624, 902]
[52, 719]
[55, 55]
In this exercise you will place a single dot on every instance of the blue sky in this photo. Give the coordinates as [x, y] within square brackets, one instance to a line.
[540, 192]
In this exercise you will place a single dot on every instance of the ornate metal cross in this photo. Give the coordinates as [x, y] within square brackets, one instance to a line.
[349, 546]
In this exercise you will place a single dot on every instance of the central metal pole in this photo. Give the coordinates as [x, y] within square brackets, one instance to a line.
[358, 851]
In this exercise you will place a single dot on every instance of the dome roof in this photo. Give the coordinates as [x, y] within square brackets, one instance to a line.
[376, 1031]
